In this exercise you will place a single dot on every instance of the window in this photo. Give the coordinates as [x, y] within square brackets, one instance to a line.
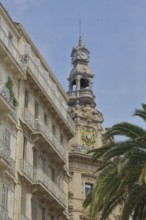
[25, 148]
[26, 98]
[61, 140]
[46, 119]
[36, 110]
[23, 202]
[43, 214]
[53, 174]
[27, 48]
[44, 166]
[54, 129]
[6, 35]
[34, 209]
[2, 24]
[88, 187]
[4, 201]
[7, 138]
[60, 182]
[52, 217]
[35, 158]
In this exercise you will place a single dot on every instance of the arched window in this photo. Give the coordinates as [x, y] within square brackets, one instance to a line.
[74, 86]
[84, 84]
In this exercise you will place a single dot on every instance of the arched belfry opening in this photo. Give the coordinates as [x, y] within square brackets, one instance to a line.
[73, 85]
[84, 83]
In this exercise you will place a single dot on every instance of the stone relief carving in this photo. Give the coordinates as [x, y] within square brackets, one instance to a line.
[86, 112]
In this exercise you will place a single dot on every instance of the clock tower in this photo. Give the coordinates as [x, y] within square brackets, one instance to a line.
[88, 122]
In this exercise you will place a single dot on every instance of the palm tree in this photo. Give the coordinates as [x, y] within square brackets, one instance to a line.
[122, 177]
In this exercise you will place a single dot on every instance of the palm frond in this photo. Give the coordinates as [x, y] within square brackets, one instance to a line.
[125, 129]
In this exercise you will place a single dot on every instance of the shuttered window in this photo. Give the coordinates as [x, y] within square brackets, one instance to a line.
[44, 214]
[25, 141]
[23, 202]
[4, 201]
[35, 159]
[34, 209]
[7, 138]
[44, 163]
[26, 98]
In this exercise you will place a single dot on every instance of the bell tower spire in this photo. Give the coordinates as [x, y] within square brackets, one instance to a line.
[88, 127]
[80, 79]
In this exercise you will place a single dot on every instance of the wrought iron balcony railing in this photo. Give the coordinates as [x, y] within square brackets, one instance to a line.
[40, 126]
[14, 113]
[28, 117]
[3, 213]
[38, 176]
[4, 152]
[10, 46]
[26, 169]
[4, 92]
[41, 177]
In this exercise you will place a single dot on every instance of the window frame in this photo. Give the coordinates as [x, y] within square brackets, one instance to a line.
[25, 143]
[4, 197]
[87, 188]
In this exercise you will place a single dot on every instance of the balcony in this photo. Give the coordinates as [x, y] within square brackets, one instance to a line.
[40, 127]
[58, 106]
[72, 97]
[14, 114]
[47, 184]
[86, 95]
[4, 156]
[10, 55]
[3, 214]
[6, 103]
[26, 170]
[72, 94]
[13, 117]
[28, 118]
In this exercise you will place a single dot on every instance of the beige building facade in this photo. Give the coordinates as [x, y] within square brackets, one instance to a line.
[34, 131]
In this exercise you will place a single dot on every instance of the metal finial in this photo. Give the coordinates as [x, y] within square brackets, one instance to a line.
[80, 36]
[80, 26]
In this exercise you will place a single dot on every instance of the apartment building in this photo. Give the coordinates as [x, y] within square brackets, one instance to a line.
[34, 131]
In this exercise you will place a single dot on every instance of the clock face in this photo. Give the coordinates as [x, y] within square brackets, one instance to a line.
[83, 55]
[80, 55]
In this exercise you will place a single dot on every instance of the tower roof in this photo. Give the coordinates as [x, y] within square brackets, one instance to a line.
[80, 45]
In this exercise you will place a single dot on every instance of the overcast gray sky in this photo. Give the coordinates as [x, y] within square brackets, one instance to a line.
[115, 33]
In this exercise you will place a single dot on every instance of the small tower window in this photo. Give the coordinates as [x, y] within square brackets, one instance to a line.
[88, 187]
[84, 84]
